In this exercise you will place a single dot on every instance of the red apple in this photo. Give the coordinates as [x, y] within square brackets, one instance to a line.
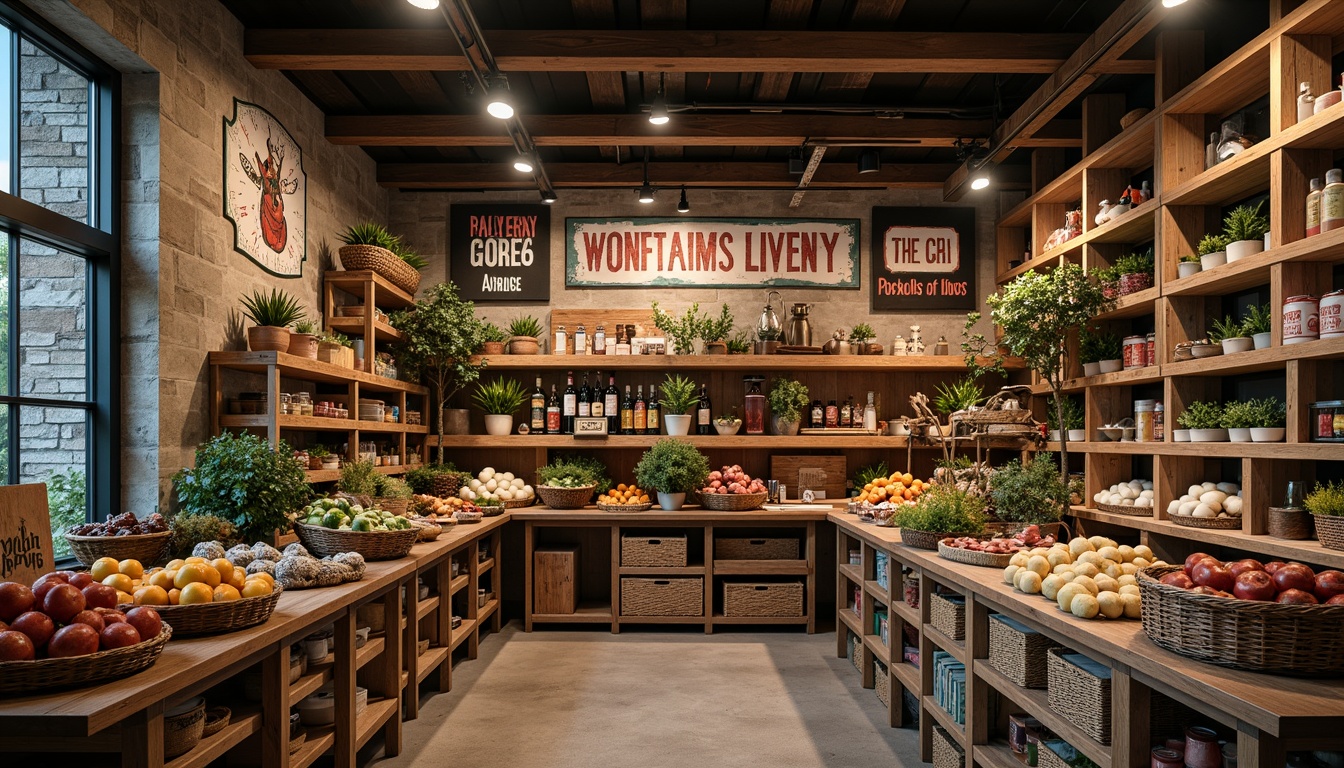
[36, 625]
[81, 580]
[63, 601]
[1254, 585]
[1177, 579]
[110, 616]
[1297, 596]
[67, 575]
[1329, 584]
[1208, 573]
[1295, 576]
[146, 621]
[46, 582]
[15, 646]
[1242, 566]
[89, 617]
[100, 596]
[1274, 565]
[1193, 560]
[73, 640]
[118, 635]
[15, 599]
[1336, 600]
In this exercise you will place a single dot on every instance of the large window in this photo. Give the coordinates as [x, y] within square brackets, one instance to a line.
[59, 336]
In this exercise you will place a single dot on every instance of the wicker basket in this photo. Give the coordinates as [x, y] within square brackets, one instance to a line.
[382, 261]
[566, 498]
[971, 557]
[645, 507]
[882, 683]
[373, 545]
[1117, 509]
[857, 651]
[923, 539]
[1330, 531]
[428, 531]
[1282, 639]
[183, 731]
[766, 599]
[1079, 696]
[510, 504]
[217, 618]
[756, 549]
[947, 616]
[28, 677]
[445, 486]
[1208, 523]
[663, 597]
[947, 753]
[732, 502]
[1292, 524]
[146, 547]
[1047, 757]
[654, 551]
[391, 504]
[1020, 653]
[216, 718]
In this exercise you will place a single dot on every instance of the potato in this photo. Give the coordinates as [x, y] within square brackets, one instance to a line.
[1110, 605]
[1058, 557]
[1129, 589]
[1133, 606]
[1087, 584]
[1106, 583]
[1098, 542]
[1086, 569]
[1028, 582]
[1064, 598]
[1143, 551]
[1110, 553]
[1019, 559]
[1010, 573]
[1051, 585]
[1039, 565]
[1084, 606]
[1140, 563]
[1078, 546]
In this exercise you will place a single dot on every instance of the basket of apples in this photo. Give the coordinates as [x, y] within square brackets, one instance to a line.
[732, 490]
[995, 552]
[64, 631]
[1276, 617]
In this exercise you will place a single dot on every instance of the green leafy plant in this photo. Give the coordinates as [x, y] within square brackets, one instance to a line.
[595, 470]
[389, 487]
[862, 332]
[67, 502]
[318, 451]
[525, 325]
[1245, 223]
[1267, 413]
[1190, 258]
[501, 397]
[684, 329]
[1095, 345]
[369, 233]
[571, 473]
[421, 479]
[1106, 275]
[679, 395]
[1326, 499]
[717, 330]
[305, 325]
[1201, 415]
[788, 398]
[729, 418]
[869, 473]
[242, 480]
[1212, 244]
[359, 478]
[1030, 492]
[1259, 318]
[439, 336]
[1225, 328]
[412, 259]
[957, 396]
[1069, 413]
[492, 332]
[333, 337]
[1237, 415]
[279, 309]
[190, 530]
[740, 343]
[942, 508]
[954, 464]
[672, 466]
[1135, 263]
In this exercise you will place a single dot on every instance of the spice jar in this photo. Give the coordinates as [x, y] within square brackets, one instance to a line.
[1151, 350]
[600, 340]
[1301, 319]
[1135, 354]
[560, 340]
[301, 404]
[284, 403]
[1159, 422]
[1202, 749]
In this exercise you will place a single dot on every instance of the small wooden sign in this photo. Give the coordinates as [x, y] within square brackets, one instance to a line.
[585, 427]
[25, 533]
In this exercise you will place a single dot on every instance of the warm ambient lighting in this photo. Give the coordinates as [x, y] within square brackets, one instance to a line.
[683, 206]
[428, 5]
[646, 194]
[1172, 3]
[870, 161]
[522, 164]
[658, 112]
[981, 180]
[500, 107]
[548, 197]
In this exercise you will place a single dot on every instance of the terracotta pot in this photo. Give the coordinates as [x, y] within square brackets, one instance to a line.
[492, 348]
[267, 338]
[716, 348]
[524, 345]
[1133, 283]
[314, 462]
[303, 345]
[456, 421]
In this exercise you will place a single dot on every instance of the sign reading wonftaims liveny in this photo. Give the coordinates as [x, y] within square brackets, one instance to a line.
[501, 252]
[718, 252]
[923, 258]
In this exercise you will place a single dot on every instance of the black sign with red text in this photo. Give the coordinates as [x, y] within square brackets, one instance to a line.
[923, 258]
[500, 252]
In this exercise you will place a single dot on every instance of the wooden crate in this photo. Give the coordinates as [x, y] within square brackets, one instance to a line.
[643, 551]
[762, 599]
[757, 549]
[788, 469]
[663, 597]
[555, 574]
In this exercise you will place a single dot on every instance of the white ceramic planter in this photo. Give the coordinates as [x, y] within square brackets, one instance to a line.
[1077, 435]
[1211, 260]
[677, 426]
[498, 424]
[671, 501]
[1262, 340]
[1243, 248]
[1180, 435]
[1238, 344]
[1112, 366]
[1091, 369]
[1268, 434]
[1208, 435]
[1054, 435]
[1188, 268]
[727, 429]
[1239, 434]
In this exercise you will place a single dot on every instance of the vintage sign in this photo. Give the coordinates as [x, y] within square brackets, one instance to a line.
[923, 258]
[719, 252]
[25, 533]
[501, 252]
[265, 190]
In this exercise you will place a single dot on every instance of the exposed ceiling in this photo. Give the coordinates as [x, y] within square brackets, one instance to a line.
[749, 83]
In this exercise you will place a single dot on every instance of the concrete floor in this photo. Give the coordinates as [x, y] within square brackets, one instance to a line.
[560, 699]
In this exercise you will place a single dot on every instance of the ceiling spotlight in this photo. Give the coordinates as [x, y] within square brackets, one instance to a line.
[1172, 3]
[500, 107]
[428, 5]
[646, 194]
[980, 177]
[870, 161]
[683, 206]
[522, 164]
[658, 114]
[548, 196]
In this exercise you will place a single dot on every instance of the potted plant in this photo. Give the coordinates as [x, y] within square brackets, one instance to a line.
[1268, 419]
[1245, 228]
[1229, 334]
[1109, 280]
[1109, 349]
[318, 456]
[673, 468]
[1326, 505]
[942, 510]
[788, 398]
[272, 315]
[303, 340]
[682, 330]
[370, 246]
[679, 397]
[440, 334]
[861, 338]
[1029, 493]
[500, 399]
[1095, 347]
[1188, 266]
[740, 343]
[1237, 416]
[1257, 322]
[493, 339]
[524, 335]
[1212, 251]
[953, 397]
[1070, 414]
[335, 348]
[728, 423]
[1136, 272]
[715, 333]
[358, 478]
[1205, 422]
[241, 479]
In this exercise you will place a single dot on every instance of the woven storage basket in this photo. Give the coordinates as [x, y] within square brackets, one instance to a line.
[217, 618]
[857, 651]
[1293, 524]
[383, 262]
[510, 504]
[663, 597]
[732, 502]
[1021, 654]
[445, 486]
[565, 498]
[1079, 696]
[1048, 758]
[1330, 531]
[756, 549]
[947, 753]
[146, 547]
[28, 677]
[392, 504]
[654, 551]
[881, 683]
[182, 732]
[970, 557]
[645, 507]
[373, 545]
[1117, 509]
[1282, 639]
[923, 539]
[770, 599]
[947, 617]
[216, 718]
[1208, 523]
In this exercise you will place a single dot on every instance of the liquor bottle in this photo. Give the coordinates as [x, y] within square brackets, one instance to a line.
[628, 413]
[847, 413]
[641, 412]
[580, 341]
[611, 405]
[570, 406]
[703, 420]
[553, 420]
[585, 404]
[597, 407]
[818, 420]
[654, 410]
[538, 424]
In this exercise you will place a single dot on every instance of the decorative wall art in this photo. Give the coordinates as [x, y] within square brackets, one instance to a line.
[265, 190]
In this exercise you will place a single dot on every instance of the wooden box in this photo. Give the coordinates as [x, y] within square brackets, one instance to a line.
[642, 551]
[336, 355]
[663, 597]
[555, 574]
[757, 549]
[764, 599]
[819, 473]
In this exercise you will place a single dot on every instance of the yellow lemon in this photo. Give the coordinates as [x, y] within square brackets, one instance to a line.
[120, 582]
[103, 567]
[131, 568]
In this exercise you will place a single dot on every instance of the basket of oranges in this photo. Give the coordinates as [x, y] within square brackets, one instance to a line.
[624, 498]
[204, 597]
[897, 488]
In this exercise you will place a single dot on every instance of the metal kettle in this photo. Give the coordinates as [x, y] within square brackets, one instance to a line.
[768, 327]
[799, 332]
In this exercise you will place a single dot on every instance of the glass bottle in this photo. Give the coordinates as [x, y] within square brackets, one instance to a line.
[641, 412]
[585, 404]
[560, 338]
[703, 420]
[1314, 208]
[553, 416]
[754, 406]
[628, 413]
[580, 341]
[1332, 200]
[832, 415]
[653, 410]
[818, 420]
[622, 341]
[600, 345]
[1211, 151]
[570, 405]
[597, 408]
[870, 414]
[847, 413]
[1306, 103]
[538, 422]
[611, 404]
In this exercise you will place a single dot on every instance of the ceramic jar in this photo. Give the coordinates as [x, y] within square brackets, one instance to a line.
[1332, 315]
[1301, 319]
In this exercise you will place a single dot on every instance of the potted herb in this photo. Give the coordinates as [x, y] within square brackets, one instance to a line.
[440, 333]
[682, 330]
[860, 338]
[1070, 414]
[1245, 229]
[318, 456]
[1268, 419]
[1326, 505]
[1229, 334]
[335, 348]
[1109, 280]
[500, 399]
[442, 480]
[272, 315]
[569, 483]
[358, 478]
[1188, 266]
[788, 398]
[370, 246]
[1099, 352]
[303, 339]
[673, 468]
[679, 397]
[740, 343]
[1029, 493]
[493, 339]
[942, 510]
[241, 479]
[524, 335]
[715, 333]
[1212, 251]
[728, 423]
[1256, 323]
[953, 397]
[1136, 272]
[1236, 419]
[1205, 422]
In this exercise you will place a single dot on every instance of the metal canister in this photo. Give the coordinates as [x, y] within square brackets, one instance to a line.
[1135, 353]
[1332, 314]
[1301, 319]
[1152, 349]
[1143, 420]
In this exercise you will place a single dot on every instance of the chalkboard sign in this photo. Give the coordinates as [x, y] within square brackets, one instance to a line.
[500, 252]
[923, 258]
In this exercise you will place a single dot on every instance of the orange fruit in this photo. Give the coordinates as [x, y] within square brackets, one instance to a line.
[103, 567]
[173, 565]
[196, 593]
[239, 578]
[162, 579]
[124, 598]
[225, 569]
[262, 575]
[120, 582]
[256, 588]
[174, 596]
[131, 568]
[907, 478]
[225, 592]
[194, 559]
[192, 573]
[151, 596]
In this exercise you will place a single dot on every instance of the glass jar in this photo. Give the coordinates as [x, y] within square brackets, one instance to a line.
[301, 404]
[1143, 420]
[754, 406]
[284, 403]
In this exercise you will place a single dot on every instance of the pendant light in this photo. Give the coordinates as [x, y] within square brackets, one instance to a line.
[427, 5]
[658, 114]
[870, 161]
[646, 191]
[522, 164]
[1172, 3]
[548, 196]
[683, 206]
[501, 101]
[980, 177]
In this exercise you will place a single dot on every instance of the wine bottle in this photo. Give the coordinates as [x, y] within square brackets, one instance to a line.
[597, 407]
[654, 410]
[628, 413]
[585, 404]
[553, 417]
[612, 406]
[571, 406]
[538, 421]
[641, 412]
[703, 421]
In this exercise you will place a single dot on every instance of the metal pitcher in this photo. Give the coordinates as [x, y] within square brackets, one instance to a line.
[799, 333]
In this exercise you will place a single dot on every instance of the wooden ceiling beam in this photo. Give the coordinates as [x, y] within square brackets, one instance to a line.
[672, 51]
[475, 176]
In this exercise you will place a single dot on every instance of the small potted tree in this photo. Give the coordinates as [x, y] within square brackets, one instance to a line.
[1237, 417]
[1136, 272]
[1205, 422]
[716, 333]
[500, 399]
[1070, 415]
[860, 339]
[1091, 350]
[1188, 266]
[1245, 228]
[682, 330]
[493, 339]
[1108, 349]
[1268, 419]
[303, 340]
[524, 335]
[1030, 493]
[787, 400]
[243, 480]
[679, 397]
[672, 468]
[1212, 251]
[953, 397]
[1228, 333]
[272, 315]
[1258, 321]
[1326, 505]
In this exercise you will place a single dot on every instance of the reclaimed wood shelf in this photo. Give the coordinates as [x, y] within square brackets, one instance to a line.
[771, 363]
